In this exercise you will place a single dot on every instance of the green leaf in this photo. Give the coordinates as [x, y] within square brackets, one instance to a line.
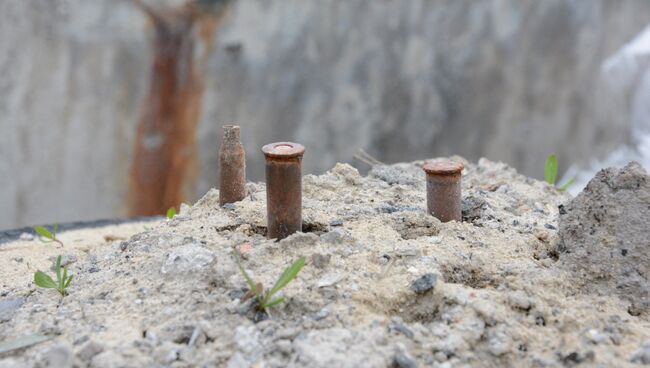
[289, 274]
[22, 342]
[275, 301]
[171, 212]
[55, 230]
[64, 278]
[550, 170]
[57, 268]
[249, 280]
[44, 232]
[67, 283]
[44, 280]
[566, 185]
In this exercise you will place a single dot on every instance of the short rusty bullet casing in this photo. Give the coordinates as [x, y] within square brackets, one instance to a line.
[283, 188]
[443, 190]
[232, 160]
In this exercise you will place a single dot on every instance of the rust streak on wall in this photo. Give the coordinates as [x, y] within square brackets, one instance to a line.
[164, 156]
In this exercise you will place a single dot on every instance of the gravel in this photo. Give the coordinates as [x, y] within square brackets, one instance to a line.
[385, 283]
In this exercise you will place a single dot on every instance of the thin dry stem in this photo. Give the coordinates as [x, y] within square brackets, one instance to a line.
[365, 157]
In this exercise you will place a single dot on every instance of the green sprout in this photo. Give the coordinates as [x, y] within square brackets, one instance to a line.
[47, 236]
[62, 281]
[550, 173]
[171, 212]
[266, 300]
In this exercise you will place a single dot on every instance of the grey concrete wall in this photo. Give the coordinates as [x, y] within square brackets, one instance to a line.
[512, 80]
[71, 78]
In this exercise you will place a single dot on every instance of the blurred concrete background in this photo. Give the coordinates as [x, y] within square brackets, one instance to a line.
[83, 84]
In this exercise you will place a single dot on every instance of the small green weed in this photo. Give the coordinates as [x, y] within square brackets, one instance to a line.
[62, 281]
[266, 300]
[171, 212]
[47, 236]
[550, 173]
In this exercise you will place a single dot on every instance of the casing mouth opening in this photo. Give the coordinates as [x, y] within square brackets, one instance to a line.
[283, 150]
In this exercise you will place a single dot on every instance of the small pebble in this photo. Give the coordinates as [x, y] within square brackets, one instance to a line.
[185, 209]
[88, 351]
[402, 358]
[329, 279]
[244, 248]
[383, 259]
[424, 283]
[440, 356]
[9, 307]
[332, 237]
[229, 206]
[596, 337]
[404, 361]
[519, 299]
[287, 333]
[320, 260]
[26, 237]
[401, 328]
[322, 314]
[81, 340]
[59, 356]
[108, 359]
[283, 346]
[499, 342]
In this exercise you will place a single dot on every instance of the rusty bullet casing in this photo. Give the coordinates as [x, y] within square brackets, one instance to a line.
[232, 160]
[283, 188]
[443, 190]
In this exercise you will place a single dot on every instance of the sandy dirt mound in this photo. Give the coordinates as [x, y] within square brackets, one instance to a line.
[385, 285]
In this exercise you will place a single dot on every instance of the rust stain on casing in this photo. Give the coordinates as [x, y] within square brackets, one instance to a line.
[232, 159]
[283, 188]
[164, 164]
[443, 190]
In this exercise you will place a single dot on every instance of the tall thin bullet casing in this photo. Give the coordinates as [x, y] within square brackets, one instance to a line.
[232, 159]
[443, 190]
[283, 188]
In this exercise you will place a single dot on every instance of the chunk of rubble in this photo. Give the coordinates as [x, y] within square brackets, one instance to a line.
[605, 235]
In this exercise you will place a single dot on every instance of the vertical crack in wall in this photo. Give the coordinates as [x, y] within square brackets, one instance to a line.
[164, 166]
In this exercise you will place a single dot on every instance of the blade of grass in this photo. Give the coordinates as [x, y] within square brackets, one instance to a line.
[67, 283]
[566, 185]
[550, 170]
[58, 268]
[275, 301]
[63, 279]
[289, 274]
[249, 280]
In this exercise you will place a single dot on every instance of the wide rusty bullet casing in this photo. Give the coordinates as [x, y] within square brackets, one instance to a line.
[283, 188]
[232, 159]
[443, 190]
